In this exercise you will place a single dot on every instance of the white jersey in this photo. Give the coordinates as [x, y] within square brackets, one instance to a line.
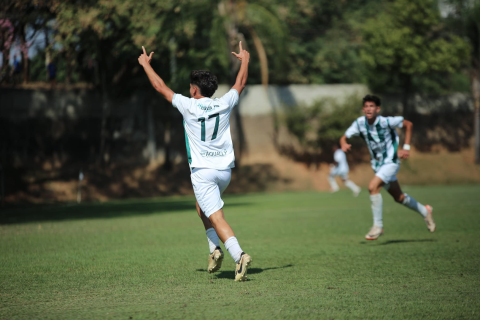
[381, 138]
[341, 160]
[207, 130]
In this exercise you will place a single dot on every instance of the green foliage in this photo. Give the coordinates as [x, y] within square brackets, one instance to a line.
[408, 39]
[360, 41]
[321, 125]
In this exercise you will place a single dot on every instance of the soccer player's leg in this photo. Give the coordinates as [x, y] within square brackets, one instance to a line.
[215, 258]
[374, 188]
[409, 202]
[208, 185]
[331, 179]
[227, 236]
[351, 185]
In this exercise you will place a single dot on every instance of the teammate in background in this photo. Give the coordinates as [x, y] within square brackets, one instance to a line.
[382, 140]
[210, 152]
[340, 168]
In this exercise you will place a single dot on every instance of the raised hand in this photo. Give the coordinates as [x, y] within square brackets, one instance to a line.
[346, 147]
[242, 55]
[144, 59]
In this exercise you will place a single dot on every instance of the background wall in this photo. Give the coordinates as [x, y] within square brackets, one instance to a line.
[49, 136]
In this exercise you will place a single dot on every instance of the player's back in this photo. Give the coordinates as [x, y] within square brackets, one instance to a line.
[207, 130]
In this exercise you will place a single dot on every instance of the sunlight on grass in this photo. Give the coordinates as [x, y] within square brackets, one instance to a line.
[147, 259]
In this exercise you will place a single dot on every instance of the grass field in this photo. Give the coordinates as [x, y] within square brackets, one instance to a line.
[147, 259]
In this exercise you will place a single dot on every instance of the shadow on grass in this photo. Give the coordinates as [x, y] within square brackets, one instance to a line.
[98, 210]
[231, 274]
[406, 241]
[399, 241]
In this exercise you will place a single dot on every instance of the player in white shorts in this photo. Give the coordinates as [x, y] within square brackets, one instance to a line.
[210, 152]
[382, 141]
[340, 169]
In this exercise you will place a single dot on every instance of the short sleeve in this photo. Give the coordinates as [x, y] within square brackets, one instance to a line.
[354, 130]
[231, 98]
[395, 122]
[180, 102]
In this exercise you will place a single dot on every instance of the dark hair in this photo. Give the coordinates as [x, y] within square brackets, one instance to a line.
[372, 98]
[206, 81]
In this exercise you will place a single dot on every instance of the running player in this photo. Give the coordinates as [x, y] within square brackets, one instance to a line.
[382, 140]
[210, 152]
[340, 168]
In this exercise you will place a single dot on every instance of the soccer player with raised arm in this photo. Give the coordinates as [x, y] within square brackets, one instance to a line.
[210, 152]
[382, 141]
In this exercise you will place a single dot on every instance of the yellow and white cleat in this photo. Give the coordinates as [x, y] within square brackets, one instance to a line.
[374, 233]
[429, 219]
[215, 260]
[242, 266]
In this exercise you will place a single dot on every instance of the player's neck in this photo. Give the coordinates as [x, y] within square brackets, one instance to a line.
[198, 96]
[372, 121]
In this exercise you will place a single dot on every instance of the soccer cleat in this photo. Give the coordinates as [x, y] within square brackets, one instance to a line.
[429, 219]
[357, 192]
[374, 233]
[242, 266]
[215, 260]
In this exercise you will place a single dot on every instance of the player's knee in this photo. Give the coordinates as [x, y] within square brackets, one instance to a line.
[399, 198]
[373, 189]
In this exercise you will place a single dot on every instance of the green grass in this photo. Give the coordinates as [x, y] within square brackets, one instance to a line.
[146, 259]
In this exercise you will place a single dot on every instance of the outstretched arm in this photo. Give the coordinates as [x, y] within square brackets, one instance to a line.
[242, 76]
[344, 144]
[154, 78]
[405, 153]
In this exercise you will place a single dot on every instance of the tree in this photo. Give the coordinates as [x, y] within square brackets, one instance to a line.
[472, 29]
[408, 40]
[463, 16]
[261, 24]
[113, 31]
[6, 42]
[27, 17]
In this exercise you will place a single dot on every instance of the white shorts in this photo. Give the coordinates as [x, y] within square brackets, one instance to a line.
[342, 174]
[208, 185]
[388, 172]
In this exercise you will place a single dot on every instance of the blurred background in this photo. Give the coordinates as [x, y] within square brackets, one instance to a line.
[79, 120]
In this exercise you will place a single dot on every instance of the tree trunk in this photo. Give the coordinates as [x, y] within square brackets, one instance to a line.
[475, 82]
[151, 141]
[68, 64]
[5, 62]
[24, 52]
[262, 56]
[228, 10]
[407, 88]
[103, 155]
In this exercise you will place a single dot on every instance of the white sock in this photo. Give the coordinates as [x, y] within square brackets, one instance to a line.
[351, 185]
[414, 205]
[233, 248]
[377, 204]
[333, 183]
[213, 240]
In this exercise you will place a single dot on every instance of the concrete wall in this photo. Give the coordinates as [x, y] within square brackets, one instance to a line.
[46, 137]
[255, 100]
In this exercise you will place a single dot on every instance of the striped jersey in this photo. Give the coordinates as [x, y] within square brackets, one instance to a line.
[207, 130]
[381, 138]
